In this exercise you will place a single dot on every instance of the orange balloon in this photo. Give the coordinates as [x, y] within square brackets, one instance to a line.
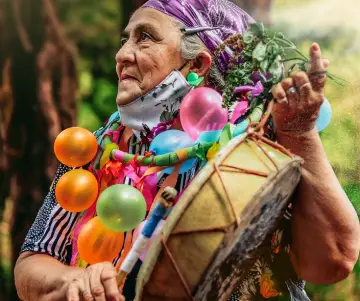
[76, 190]
[98, 244]
[75, 147]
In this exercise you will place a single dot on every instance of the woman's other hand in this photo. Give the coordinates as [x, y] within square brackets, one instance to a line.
[96, 283]
[299, 97]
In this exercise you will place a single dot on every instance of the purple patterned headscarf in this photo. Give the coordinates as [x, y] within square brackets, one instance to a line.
[213, 13]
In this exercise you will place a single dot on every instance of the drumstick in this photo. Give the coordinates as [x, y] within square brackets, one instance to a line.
[163, 204]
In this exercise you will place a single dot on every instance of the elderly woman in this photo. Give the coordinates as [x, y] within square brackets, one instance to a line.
[321, 240]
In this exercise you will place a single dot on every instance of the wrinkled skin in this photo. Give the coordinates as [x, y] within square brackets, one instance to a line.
[97, 282]
[325, 226]
[297, 112]
[149, 52]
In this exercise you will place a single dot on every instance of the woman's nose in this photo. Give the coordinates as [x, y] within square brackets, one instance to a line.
[126, 54]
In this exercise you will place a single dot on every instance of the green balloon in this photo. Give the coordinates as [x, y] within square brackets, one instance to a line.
[121, 208]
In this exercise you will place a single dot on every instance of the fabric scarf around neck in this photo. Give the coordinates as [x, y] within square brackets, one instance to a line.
[159, 105]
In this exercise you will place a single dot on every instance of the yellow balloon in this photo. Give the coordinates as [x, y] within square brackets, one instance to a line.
[76, 190]
[75, 146]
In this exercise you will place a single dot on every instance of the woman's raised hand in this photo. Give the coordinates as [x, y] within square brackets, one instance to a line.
[96, 283]
[299, 97]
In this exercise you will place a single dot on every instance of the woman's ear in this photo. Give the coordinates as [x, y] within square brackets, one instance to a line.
[202, 64]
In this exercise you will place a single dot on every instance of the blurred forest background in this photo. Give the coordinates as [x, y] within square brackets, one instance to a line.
[57, 69]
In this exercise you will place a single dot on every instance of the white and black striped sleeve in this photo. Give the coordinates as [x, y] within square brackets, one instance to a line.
[52, 228]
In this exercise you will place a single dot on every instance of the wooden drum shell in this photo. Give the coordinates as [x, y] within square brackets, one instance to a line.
[222, 220]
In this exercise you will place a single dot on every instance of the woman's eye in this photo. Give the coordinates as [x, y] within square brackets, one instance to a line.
[123, 41]
[145, 36]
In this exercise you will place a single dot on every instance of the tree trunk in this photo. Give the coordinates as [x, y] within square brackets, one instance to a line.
[5, 101]
[258, 9]
[37, 102]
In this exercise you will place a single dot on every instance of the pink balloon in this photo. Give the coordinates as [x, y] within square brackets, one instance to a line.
[201, 110]
[155, 234]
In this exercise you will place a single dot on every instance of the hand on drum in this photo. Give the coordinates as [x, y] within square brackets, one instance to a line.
[299, 97]
[96, 283]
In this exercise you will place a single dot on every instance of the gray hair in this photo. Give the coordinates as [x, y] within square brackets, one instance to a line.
[190, 47]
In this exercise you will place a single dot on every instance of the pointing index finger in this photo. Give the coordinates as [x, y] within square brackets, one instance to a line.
[317, 72]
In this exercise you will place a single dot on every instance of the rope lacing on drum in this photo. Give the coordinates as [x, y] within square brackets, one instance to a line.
[256, 137]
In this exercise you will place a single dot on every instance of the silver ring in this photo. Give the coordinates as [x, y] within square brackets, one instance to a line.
[320, 73]
[292, 90]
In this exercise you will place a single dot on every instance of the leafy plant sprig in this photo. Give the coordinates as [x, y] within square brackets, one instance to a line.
[259, 55]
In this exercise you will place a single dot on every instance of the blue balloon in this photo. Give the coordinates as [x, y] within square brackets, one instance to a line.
[171, 141]
[241, 127]
[208, 136]
[325, 116]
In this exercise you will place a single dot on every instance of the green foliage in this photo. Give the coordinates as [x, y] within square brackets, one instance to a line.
[94, 27]
[87, 118]
[104, 98]
[261, 52]
[339, 145]
[353, 192]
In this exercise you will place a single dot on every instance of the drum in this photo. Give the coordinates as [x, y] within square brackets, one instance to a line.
[218, 227]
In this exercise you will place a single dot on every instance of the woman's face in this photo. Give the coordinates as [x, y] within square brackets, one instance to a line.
[149, 52]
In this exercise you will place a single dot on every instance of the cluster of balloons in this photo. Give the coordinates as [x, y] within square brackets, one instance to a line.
[201, 112]
[77, 190]
[120, 207]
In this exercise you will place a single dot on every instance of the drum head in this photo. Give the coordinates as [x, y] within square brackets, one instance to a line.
[208, 243]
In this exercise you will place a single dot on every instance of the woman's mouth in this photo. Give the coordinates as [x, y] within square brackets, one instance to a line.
[124, 77]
